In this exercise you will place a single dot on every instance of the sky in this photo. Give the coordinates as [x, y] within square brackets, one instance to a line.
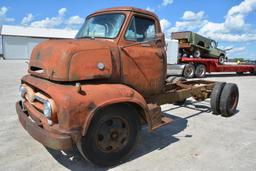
[230, 22]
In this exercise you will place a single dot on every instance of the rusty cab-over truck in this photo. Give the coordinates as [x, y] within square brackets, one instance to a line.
[95, 91]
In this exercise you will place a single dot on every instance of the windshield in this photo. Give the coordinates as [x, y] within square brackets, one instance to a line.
[102, 26]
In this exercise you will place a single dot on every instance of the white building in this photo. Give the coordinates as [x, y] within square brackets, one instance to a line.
[18, 42]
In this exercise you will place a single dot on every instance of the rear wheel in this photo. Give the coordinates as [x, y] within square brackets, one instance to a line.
[200, 71]
[221, 59]
[229, 100]
[189, 71]
[111, 136]
[215, 97]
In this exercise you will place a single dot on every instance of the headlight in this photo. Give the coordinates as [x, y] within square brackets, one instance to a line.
[22, 91]
[47, 109]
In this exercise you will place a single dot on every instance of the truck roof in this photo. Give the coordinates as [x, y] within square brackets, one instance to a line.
[191, 32]
[127, 8]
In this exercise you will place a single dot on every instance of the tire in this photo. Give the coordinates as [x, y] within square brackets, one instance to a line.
[112, 135]
[197, 53]
[221, 59]
[200, 71]
[229, 100]
[215, 97]
[189, 71]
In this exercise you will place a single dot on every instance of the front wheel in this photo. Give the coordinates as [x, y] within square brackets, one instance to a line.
[111, 136]
[197, 53]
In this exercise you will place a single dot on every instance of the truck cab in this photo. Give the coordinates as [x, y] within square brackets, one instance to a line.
[102, 51]
[95, 91]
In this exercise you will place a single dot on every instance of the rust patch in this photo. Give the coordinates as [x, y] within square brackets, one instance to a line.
[91, 106]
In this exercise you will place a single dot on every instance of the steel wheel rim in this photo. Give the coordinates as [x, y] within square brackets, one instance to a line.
[201, 71]
[112, 134]
[189, 71]
[197, 54]
[221, 60]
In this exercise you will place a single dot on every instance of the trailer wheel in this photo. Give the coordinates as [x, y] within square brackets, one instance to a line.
[112, 135]
[229, 99]
[197, 53]
[215, 97]
[189, 71]
[200, 71]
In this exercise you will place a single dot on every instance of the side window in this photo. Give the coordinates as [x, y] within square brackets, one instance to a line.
[213, 44]
[141, 29]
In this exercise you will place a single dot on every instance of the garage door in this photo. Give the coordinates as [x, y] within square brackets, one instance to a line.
[15, 47]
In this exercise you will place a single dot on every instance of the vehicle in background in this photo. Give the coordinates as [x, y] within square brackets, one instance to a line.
[198, 67]
[198, 46]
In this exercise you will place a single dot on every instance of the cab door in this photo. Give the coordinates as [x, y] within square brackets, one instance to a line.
[143, 57]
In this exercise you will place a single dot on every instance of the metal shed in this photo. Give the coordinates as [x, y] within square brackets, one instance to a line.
[18, 42]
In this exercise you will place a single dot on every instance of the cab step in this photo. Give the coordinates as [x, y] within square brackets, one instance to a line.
[157, 119]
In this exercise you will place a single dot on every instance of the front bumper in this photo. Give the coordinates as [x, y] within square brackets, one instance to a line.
[47, 138]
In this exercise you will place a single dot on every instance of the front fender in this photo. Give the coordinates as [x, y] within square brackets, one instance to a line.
[75, 110]
[104, 95]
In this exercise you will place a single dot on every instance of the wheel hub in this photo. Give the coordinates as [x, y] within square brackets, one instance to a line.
[112, 135]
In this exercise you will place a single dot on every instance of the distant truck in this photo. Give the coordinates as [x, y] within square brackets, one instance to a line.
[193, 44]
[198, 67]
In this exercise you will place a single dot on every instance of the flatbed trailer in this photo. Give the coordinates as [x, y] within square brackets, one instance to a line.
[198, 67]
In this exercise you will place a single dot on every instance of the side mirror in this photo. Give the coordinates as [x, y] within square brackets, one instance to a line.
[159, 36]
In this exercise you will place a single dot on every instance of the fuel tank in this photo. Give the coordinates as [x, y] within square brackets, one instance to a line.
[74, 60]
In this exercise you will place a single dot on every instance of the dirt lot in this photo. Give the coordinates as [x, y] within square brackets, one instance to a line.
[197, 140]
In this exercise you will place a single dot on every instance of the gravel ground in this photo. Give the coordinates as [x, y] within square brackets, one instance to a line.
[197, 140]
